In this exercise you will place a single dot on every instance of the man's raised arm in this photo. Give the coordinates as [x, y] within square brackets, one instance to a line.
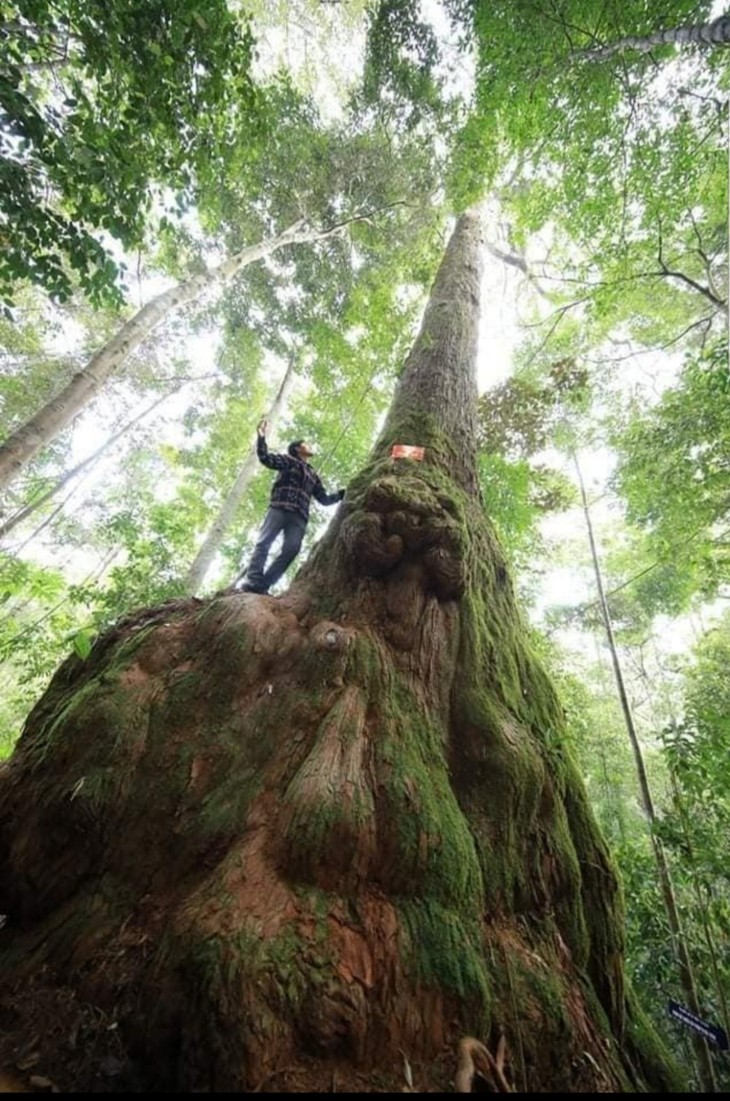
[274, 462]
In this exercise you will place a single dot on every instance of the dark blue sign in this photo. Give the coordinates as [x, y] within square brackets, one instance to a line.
[716, 1035]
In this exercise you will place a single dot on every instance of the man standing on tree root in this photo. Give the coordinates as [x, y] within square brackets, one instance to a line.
[288, 511]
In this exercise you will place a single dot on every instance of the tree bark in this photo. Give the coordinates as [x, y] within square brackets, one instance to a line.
[715, 33]
[437, 392]
[292, 837]
[49, 421]
[217, 531]
[705, 1069]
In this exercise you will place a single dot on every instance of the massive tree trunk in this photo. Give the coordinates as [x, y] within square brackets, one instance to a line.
[287, 841]
[48, 422]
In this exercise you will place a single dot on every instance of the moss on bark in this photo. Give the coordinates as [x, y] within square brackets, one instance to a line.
[336, 825]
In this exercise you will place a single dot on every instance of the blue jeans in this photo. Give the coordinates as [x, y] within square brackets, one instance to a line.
[276, 521]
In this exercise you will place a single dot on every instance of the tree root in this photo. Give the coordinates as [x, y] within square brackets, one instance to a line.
[475, 1058]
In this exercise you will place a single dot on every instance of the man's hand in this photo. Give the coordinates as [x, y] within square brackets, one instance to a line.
[261, 427]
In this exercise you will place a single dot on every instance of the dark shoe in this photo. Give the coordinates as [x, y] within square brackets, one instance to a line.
[249, 587]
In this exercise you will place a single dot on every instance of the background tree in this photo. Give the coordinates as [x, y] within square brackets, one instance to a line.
[684, 960]
[673, 472]
[526, 418]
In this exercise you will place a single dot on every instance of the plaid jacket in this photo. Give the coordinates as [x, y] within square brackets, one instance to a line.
[297, 482]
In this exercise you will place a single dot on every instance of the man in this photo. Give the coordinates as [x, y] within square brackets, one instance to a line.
[288, 511]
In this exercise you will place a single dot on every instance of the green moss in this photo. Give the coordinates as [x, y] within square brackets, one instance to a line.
[68, 933]
[567, 886]
[97, 724]
[51, 732]
[278, 970]
[224, 809]
[317, 902]
[322, 837]
[499, 778]
[436, 853]
[96, 791]
[445, 951]
[412, 483]
[660, 1072]
[210, 614]
[531, 990]
[548, 990]
[327, 826]
[602, 904]
[182, 701]
[232, 650]
[127, 647]
[415, 426]
[365, 664]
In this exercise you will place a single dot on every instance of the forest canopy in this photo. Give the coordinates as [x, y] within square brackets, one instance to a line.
[212, 213]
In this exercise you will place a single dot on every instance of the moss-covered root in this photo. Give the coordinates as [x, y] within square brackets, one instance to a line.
[342, 824]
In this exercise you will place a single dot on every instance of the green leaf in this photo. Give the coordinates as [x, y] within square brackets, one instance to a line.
[82, 643]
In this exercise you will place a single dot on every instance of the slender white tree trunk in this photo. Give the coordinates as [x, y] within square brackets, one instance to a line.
[218, 529]
[716, 33]
[705, 1069]
[45, 425]
[50, 493]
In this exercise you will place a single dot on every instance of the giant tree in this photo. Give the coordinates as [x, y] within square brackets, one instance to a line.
[608, 164]
[302, 835]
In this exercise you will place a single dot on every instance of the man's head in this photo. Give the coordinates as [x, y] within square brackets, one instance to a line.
[299, 449]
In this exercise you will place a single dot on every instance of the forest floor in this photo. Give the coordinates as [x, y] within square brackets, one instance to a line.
[50, 1042]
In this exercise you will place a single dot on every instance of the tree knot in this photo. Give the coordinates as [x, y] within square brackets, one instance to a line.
[407, 521]
[330, 637]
